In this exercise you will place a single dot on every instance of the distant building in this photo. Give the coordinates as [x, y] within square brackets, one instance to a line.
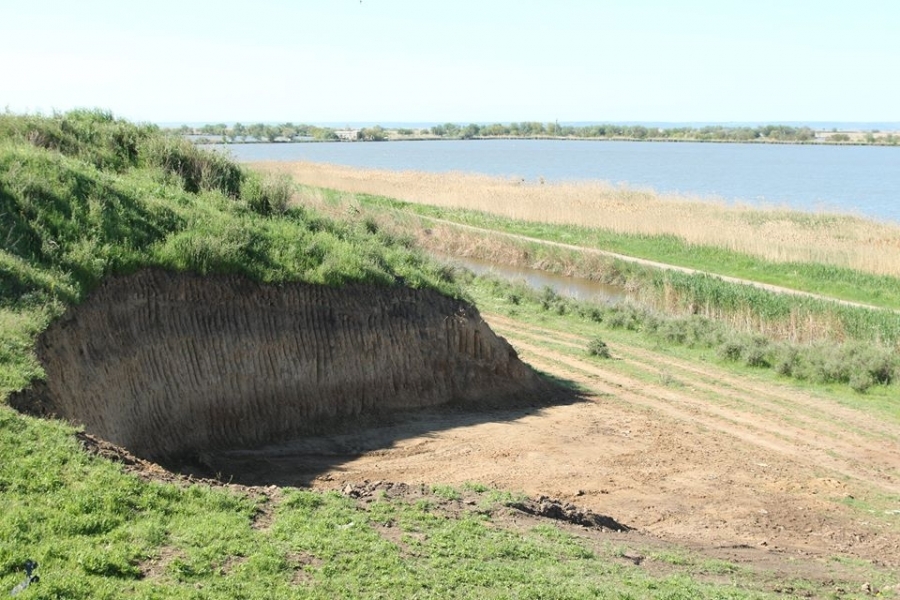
[347, 135]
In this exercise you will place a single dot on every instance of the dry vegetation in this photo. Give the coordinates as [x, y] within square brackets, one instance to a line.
[775, 234]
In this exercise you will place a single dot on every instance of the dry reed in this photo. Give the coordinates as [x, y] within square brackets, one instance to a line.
[772, 233]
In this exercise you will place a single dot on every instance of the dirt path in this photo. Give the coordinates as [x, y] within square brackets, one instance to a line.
[720, 461]
[650, 263]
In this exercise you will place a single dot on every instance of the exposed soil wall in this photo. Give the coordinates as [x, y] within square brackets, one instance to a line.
[167, 364]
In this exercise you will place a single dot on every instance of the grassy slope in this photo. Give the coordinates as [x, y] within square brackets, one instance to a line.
[82, 197]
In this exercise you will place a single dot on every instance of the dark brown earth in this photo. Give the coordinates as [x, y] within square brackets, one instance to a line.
[174, 364]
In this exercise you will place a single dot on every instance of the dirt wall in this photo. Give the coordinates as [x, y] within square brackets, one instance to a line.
[167, 364]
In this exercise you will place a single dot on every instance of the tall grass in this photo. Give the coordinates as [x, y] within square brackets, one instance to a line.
[774, 234]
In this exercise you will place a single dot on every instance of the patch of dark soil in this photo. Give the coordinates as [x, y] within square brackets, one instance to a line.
[303, 563]
[566, 511]
[155, 566]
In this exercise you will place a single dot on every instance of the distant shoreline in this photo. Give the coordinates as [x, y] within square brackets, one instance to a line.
[217, 141]
[223, 133]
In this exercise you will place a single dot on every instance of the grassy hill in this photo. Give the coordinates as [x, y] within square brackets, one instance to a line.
[84, 196]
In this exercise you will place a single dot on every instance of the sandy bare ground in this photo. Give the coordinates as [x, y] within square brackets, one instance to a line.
[685, 452]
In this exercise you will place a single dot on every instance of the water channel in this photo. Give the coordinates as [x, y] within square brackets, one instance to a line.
[572, 287]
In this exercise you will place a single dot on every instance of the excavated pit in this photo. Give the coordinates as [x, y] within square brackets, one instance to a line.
[174, 364]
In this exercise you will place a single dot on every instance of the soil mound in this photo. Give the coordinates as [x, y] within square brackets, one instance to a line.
[168, 364]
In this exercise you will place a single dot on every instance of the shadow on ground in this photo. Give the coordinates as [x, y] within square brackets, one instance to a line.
[299, 461]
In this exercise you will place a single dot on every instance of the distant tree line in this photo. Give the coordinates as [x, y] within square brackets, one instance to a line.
[261, 132]
[289, 132]
[781, 133]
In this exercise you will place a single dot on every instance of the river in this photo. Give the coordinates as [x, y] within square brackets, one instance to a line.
[862, 180]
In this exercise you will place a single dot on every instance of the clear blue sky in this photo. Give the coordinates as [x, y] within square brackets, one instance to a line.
[457, 60]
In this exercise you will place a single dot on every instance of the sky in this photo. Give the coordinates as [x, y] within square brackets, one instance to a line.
[379, 61]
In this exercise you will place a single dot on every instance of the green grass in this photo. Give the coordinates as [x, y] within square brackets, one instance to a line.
[69, 225]
[99, 533]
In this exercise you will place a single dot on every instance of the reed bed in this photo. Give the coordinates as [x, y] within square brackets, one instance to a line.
[772, 233]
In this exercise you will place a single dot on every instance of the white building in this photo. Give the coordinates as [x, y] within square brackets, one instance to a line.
[347, 135]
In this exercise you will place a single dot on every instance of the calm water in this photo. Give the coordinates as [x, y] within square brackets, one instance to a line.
[573, 287]
[862, 180]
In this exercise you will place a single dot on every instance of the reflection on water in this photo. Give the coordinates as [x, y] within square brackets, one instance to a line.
[572, 287]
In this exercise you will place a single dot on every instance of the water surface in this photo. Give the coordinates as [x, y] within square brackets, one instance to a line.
[862, 180]
[572, 287]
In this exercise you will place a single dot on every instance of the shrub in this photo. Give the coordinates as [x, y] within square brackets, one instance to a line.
[674, 331]
[731, 349]
[266, 195]
[597, 347]
[548, 297]
[861, 381]
[787, 360]
[756, 354]
[198, 169]
[624, 317]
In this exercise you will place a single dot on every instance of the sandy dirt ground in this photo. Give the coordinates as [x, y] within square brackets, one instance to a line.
[685, 452]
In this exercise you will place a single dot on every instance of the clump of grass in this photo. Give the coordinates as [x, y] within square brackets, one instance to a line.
[266, 194]
[447, 492]
[597, 347]
[197, 169]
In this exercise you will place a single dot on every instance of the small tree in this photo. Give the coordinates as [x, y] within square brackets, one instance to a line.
[470, 131]
[374, 134]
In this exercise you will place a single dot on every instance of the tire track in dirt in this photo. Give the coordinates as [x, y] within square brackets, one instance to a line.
[841, 420]
[812, 421]
[853, 458]
[762, 482]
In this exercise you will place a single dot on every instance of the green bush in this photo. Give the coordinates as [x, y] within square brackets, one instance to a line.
[787, 360]
[731, 350]
[198, 169]
[92, 136]
[267, 195]
[597, 347]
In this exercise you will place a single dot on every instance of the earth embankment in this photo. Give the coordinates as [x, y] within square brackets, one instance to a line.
[170, 364]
